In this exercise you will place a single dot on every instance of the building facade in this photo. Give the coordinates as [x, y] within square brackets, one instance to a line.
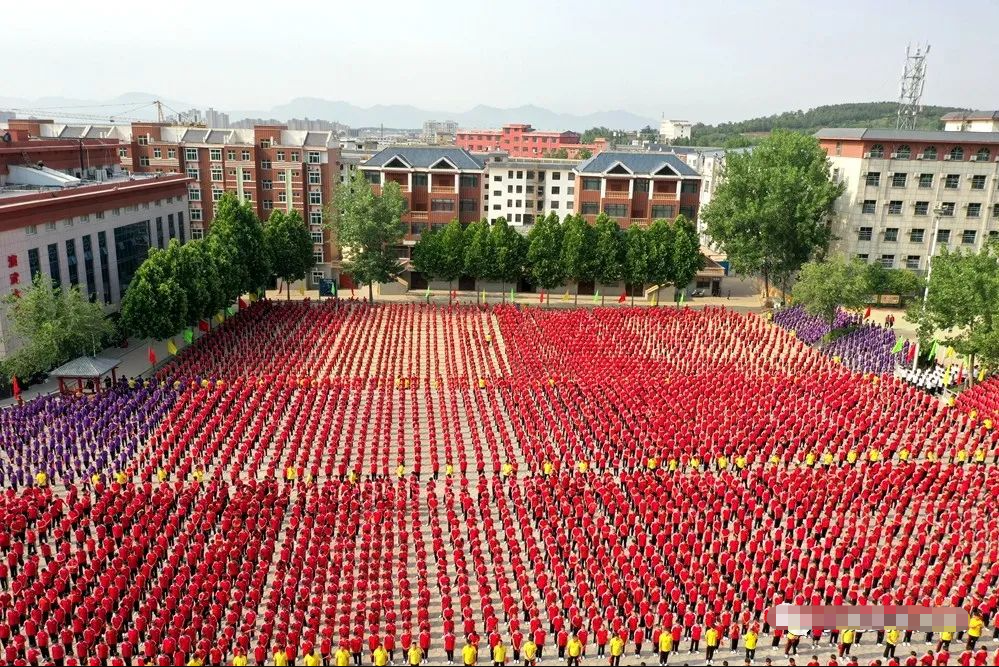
[519, 140]
[670, 130]
[901, 185]
[971, 121]
[522, 190]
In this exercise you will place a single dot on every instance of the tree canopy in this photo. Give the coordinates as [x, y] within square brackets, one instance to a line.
[236, 239]
[636, 258]
[288, 244]
[610, 250]
[477, 256]
[579, 259]
[687, 259]
[544, 252]
[508, 249]
[594, 133]
[825, 286]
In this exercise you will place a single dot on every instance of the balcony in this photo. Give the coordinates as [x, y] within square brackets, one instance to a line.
[617, 194]
[442, 189]
[664, 196]
[417, 215]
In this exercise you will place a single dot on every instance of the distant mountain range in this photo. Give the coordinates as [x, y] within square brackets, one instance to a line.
[137, 105]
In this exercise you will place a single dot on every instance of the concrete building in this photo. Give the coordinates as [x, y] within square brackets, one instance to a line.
[971, 121]
[216, 119]
[439, 131]
[523, 189]
[520, 140]
[901, 185]
[674, 129]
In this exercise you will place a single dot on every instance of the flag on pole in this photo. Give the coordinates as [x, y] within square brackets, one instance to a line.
[242, 304]
[565, 297]
[219, 317]
[16, 386]
[513, 294]
[188, 335]
[152, 356]
[933, 350]
[427, 294]
[541, 296]
[655, 298]
[171, 347]
[205, 325]
[683, 295]
[622, 297]
[596, 296]
[960, 375]
[898, 346]
[336, 288]
[301, 290]
[231, 311]
[981, 374]
[946, 377]
[483, 296]
[867, 313]
[911, 354]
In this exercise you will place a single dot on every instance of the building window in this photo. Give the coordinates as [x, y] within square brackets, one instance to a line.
[420, 180]
[267, 184]
[498, 177]
[316, 198]
[280, 156]
[317, 255]
[497, 207]
[690, 187]
[591, 183]
[102, 249]
[865, 233]
[172, 229]
[317, 237]
[215, 154]
[891, 234]
[943, 236]
[869, 206]
[313, 157]
[995, 210]
[192, 172]
[467, 205]
[468, 181]
[74, 270]
[556, 190]
[903, 152]
[930, 153]
[372, 177]
[895, 207]
[898, 180]
[194, 194]
[888, 261]
[947, 208]
[88, 268]
[265, 143]
[157, 153]
[968, 236]
[159, 233]
[974, 210]
[230, 155]
[268, 204]
[926, 180]
[589, 208]
[216, 193]
[143, 140]
[122, 152]
[556, 175]
[191, 154]
[441, 205]
[922, 208]
[143, 161]
[554, 204]
[247, 175]
[877, 151]
[171, 153]
[873, 178]
[315, 217]
[663, 211]
[216, 173]
[294, 156]
[862, 257]
[912, 262]
[265, 164]
[195, 215]
[244, 155]
[315, 178]
[34, 263]
[952, 181]
[248, 195]
[282, 196]
[54, 264]
[956, 153]
[916, 235]
[616, 210]
[689, 212]
[978, 182]
[31, 230]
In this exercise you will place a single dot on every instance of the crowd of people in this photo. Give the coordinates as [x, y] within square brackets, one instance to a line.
[348, 484]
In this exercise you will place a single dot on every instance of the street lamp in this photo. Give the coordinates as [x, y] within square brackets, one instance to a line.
[937, 212]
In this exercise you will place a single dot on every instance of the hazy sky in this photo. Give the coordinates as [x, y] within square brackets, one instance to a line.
[701, 60]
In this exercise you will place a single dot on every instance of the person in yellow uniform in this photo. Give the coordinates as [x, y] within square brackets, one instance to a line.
[750, 640]
[891, 641]
[95, 479]
[290, 474]
[530, 652]
[199, 475]
[665, 645]
[380, 657]
[652, 463]
[810, 459]
[616, 650]
[903, 455]
[774, 459]
[41, 479]
[449, 470]
[574, 649]
[507, 469]
[469, 654]
[400, 471]
[946, 637]
[975, 625]
[874, 455]
[827, 459]
[711, 642]
[499, 655]
[846, 641]
[280, 658]
[962, 456]
[722, 462]
[584, 465]
[851, 457]
[195, 662]
[161, 475]
[341, 658]
[695, 462]
[414, 655]
[672, 465]
[740, 462]
[548, 468]
[239, 660]
[313, 658]
[979, 456]
[352, 477]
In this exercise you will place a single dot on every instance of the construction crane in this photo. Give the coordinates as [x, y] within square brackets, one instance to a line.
[60, 113]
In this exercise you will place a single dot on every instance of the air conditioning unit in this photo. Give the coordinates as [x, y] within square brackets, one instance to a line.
[974, 158]
[864, 175]
[894, 156]
[947, 157]
[919, 157]
[868, 154]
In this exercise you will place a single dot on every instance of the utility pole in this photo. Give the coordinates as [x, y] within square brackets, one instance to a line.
[159, 111]
[937, 212]
[911, 92]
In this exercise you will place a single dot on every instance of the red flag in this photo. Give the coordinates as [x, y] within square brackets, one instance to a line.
[204, 325]
[242, 304]
[623, 297]
[960, 375]
[152, 356]
[911, 354]
[541, 296]
[16, 386]
[867, 313]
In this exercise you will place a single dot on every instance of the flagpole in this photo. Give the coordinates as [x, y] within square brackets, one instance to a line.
[929, 270]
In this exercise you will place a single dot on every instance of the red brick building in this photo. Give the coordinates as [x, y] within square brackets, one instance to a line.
[21, 144]
[520, 140]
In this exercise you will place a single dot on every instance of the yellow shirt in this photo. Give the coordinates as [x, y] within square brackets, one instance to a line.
[874, 455]
[574, 648]
[290, 473]
[530, 649]
[469, 655]
[665, 641]
[449, 470]
[740, 462]
[962, 455]
[695, 462]
[672, 465]
[41, 479]
[194, 662]
[616, 646]
[548, 468]
[851, 456]
[120, 477]
[751, 639]
[711, 637]
[904, 455]
[381, 657]
[584, 466]
[975, 626]
[774, 459]
[810, 459]
[161, 474]
[892, 637]
[199, 475]
[507, 469]
[946, 636]
[313, 660]
[351, 477]
[847, 637]
[722, 462]
[652, 463]
[415, 655]
[342, 657]
[239, 661]
[95, 479]
[400, 471]
[280, 659]
[499, 653]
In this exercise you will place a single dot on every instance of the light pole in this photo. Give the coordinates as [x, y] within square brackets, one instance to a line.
[937, 212]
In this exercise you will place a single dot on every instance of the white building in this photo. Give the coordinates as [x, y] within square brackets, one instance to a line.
[971, 121]
[522, 189]
[674, 129]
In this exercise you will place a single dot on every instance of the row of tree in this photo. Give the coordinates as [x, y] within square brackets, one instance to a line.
[177, 286]
[555, 252]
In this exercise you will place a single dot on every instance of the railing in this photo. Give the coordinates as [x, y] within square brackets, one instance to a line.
[667, 196]
[442, 189]
[417, 215]
[617, 194]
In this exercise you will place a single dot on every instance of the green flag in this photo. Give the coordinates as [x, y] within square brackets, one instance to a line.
[231, 311]
[596, 296]
[933, 350]
[427, 295]
[682, 295]
[335, 288]
[898, 346]
[188, 335]
[513, 294]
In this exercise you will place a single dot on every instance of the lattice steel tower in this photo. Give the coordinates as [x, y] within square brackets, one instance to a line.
[911, 93]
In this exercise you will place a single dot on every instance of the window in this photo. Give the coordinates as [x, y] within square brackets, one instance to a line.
[968, 236]
[123, 152]
[216, 193]
[888, 261]
[916, 235]
[903, 152]
[192, 172]
[509, 203]
[191, 154]
[318, 277]
[216, 173]
[248, 196]
[616, 210]
[468, 181]
[143, 140]
[556, 175]
[895, 207]
[590, 208]
[143, 161]
[268, 204]
[171, 153]
[995, 210]
[54, 264]
[978, 182]
[839, 148]
[554, 204]
[265, 164]
[244, 155]
[215, 154]
[316, 198]
[891, 234]
[956, 153]
[869, 206]
[865, 233]
[280, 156]
[294, 156]
[194, 194]
[195, 216]
[420, 180]
[441, 205]
[265, 143]
[31, 230]
[372, 177]
[952, 181]
[874, 178]
[926, 180]
[74, 270]
[157, 153]
[466, 205]
[930, 153]
[983, 155]
[690, 187]
[520, 189]
[943, 236]
[317, 255]
[282, 196]
[570, 190]
[898, 180]
[247, 176]
[663, 211]
[315, 217]
[556, 190]
[591, 183]
[912, 262]
[497, 193]
[863, 257]
[313, 157]
[498, 178]
[496, 207]
[267, 184]
[947, 208]
[922, 208]
[974, 210]
[509, 189]
[877, 151]
[230, 155]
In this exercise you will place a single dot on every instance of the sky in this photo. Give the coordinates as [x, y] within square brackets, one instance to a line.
[702, 60]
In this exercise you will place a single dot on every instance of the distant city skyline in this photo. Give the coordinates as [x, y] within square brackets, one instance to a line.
[703, 61]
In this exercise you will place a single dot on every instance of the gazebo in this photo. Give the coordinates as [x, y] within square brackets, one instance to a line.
[84, 374]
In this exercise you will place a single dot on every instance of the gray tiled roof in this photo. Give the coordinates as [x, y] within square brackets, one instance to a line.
[971, 115]
[86, 367]
[637, 163]
[98, 131]
[424, 156]
[877, 134]
[316, 138]
[217, 136]
[193, 136]
[72, 131]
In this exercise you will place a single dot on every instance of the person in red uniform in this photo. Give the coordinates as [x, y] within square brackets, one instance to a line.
[449, 641]
[516, 641]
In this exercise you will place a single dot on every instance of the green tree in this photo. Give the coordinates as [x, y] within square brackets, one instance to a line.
[544, 252]
[648, 133]
[156, 303]
[687, 259]
[197, 273]
[903, 282]
[368, 226]
[477, 257]
[426, 257]
[50, 326]
[770, 213]
[559, 154]
[594, 133]
[636, 258]
[288, 244]
[506, 247]
[737, 141]
[452, 252]
[611, 251]
[579, 259]
[823, 287]
[584, 154]
[236, 239]
[659, 241]
[962, 305]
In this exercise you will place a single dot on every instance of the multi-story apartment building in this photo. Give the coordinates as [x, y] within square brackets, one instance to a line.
[637, 188]
[520, 140]
[901, 185]
[674, 129]
[268, 165]
[971, 121]
[522, 190]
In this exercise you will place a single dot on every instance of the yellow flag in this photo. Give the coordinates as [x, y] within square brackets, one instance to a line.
[950, 351]
[252, 297]
[655, 298]
[171, 347]
[946, 377]
[218, 318]
[981, 375]
[565, 297]
[301, 290]
[483, 296]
